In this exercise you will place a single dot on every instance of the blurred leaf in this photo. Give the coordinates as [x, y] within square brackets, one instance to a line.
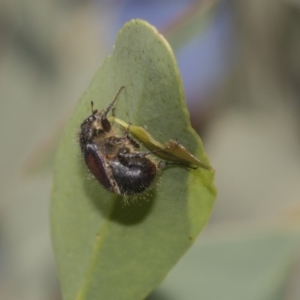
[42, 157]
[233, 268]
[105, 250]
[189, 23]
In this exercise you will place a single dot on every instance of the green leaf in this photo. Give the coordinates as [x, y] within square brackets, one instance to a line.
[105, 249]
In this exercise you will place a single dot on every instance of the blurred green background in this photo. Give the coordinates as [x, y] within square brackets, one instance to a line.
[240, 64]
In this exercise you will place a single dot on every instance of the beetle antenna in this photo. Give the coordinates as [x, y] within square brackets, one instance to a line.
[92, 107]
[111, 104]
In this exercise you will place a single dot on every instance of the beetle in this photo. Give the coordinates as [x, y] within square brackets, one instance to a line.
[115, 160]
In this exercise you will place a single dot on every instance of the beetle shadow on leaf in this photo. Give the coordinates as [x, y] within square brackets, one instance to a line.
[135, 212]
[160, 294]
